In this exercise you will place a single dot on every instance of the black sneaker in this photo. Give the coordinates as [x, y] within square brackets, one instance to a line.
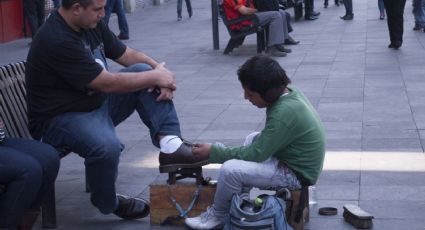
[417, 27]
[131, 208]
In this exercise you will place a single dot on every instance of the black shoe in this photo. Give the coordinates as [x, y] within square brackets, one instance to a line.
[123, 36]
[326, 6]
[190, 14]
[291, 41]
[314, 13]
[347, 17]
[281, 48]
[310, 17]
[417, 27]
[273, 51]
[395, 45]
[336, 2]
[181, 158]
[131, 208]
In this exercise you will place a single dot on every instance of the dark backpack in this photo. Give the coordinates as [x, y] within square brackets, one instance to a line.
[269, 216]
[266, 5]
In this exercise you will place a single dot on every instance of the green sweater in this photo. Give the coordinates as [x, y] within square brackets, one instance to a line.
[293, 133]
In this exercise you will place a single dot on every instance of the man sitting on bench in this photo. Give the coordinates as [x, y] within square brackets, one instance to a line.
[75, 102]
[289, 151]
[277, 22]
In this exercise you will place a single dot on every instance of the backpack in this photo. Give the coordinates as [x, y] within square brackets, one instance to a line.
[266, 5]
[244, 215]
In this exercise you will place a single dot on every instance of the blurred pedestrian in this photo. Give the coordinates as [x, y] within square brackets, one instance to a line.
[326, 3]
[179, 9]
[56, 3]
[309, 13]
[381, 9]
[117, 6]
[419, 14]
[34, 12]
[348, 4]
[395, 10]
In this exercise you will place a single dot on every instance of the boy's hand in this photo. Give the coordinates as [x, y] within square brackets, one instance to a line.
[202, 150]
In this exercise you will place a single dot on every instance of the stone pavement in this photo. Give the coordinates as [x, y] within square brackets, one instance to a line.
[370, 98]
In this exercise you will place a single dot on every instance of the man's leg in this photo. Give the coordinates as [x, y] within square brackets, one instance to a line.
[92, 136]
[108, 10]
[160, 117]
[285, 23]
[179, 9]
[122, 20]
[274, 21]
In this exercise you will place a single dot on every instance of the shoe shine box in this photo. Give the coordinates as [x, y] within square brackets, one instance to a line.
[183, 191]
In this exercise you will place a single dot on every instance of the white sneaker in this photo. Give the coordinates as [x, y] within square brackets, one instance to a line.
[206, 220]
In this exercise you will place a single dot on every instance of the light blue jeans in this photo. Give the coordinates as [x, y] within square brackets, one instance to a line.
[92, 135]
[237, 175]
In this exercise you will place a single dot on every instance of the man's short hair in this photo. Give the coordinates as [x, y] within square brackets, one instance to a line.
[262, 74]
[68, 3]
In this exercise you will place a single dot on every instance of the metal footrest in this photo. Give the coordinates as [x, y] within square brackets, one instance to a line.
[186, 173]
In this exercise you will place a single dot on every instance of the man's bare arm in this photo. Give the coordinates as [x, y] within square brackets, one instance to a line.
[246, 10]
[124, 82]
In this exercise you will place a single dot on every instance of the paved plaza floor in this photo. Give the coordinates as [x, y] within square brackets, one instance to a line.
[371, 100]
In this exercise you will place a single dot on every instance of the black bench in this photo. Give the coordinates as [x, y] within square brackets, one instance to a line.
[13, 111]
[238, 36]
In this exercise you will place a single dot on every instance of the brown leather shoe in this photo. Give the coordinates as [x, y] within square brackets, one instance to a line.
[181, 158]
[131, 208]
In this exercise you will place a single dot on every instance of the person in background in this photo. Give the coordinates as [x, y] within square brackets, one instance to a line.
[56, 3]
[117, 6]
[381, 8]
[395, 11]
[34, 12]
[179, 9]
[326, 3]
[28, 170]
[419, 14]
[348, 4]
[309, 13]
[288, 152]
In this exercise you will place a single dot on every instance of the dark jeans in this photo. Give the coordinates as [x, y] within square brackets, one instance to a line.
[56, 3]
[308, 7]
[34, 11]
[188, 6]
[348, 4]
[28, 168]
[92, 135]
[419, 12]
[381, 6]
[395, 10]
[118, 7]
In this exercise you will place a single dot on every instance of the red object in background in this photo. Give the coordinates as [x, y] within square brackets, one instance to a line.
[11, 17]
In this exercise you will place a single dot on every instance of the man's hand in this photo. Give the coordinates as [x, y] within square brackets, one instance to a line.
[202, 150]
[165, 95]
[166, 77]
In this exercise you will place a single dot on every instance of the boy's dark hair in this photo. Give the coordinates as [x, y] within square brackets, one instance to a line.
[265, 76]
[68, 3]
